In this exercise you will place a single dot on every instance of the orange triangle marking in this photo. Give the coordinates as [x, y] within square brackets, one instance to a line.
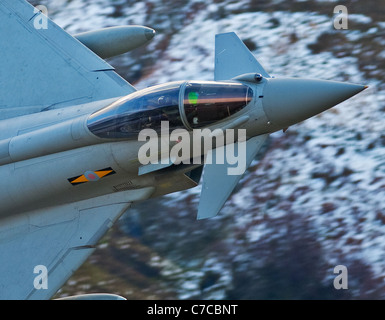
[80, 179]
[101, 174]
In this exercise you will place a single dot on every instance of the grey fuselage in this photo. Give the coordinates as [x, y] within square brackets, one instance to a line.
[40, 153]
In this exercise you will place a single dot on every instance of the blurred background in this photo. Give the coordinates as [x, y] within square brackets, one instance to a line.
[314, 197]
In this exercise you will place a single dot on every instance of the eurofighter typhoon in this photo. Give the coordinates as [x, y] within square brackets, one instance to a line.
[79, 144]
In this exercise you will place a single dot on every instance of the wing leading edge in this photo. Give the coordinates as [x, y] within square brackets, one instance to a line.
[48, 68]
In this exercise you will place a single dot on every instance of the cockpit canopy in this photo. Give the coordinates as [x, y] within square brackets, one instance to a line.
[183, 104]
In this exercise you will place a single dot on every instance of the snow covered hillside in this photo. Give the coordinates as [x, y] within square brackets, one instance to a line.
[314, 199]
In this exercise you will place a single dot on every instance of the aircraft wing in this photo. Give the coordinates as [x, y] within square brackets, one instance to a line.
[40, 250]
[217, 184]
[43, 67]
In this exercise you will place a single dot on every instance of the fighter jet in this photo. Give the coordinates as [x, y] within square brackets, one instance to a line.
[69, 138]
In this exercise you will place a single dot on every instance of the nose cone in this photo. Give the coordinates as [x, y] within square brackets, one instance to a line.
[288, 101]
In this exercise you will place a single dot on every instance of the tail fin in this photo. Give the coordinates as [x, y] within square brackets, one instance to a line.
[233, 58]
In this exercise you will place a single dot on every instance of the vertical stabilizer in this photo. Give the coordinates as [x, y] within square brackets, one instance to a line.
[233, 58]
